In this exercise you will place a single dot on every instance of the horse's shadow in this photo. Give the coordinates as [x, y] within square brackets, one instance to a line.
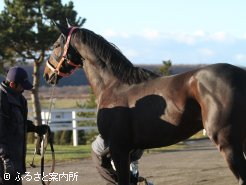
[142, 123]
[149, 107]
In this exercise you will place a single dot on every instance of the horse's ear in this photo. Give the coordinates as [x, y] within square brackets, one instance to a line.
[62, 29]
[68, 24]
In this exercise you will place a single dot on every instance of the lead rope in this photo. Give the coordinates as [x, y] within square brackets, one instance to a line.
[51, 102]
[49, 139]
[47, 122]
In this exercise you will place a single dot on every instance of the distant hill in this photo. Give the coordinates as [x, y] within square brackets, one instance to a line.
[79, 78]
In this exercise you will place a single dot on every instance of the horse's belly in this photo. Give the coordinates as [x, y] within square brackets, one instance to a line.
[164, 134]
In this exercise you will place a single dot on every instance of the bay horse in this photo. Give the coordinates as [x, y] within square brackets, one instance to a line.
[138, 109]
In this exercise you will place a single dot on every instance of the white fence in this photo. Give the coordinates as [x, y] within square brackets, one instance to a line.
[67, 119]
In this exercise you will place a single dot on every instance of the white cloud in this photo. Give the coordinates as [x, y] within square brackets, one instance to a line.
[241, 57]
[187, 38]
[218, 36]
[125, 35]
[130, 53]
[109, 33]
[112, 33]
[199, 33]
[206, 52]
[200, 36]
[150, 34]
[184, 38]
[244, 36]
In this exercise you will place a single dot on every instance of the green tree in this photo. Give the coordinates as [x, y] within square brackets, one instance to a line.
[165, 69]
[27, 34]
[90, 103]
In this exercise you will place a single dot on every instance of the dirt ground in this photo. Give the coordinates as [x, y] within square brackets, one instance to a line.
[199, 164]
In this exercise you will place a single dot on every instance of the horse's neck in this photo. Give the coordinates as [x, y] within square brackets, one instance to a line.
[98, 78]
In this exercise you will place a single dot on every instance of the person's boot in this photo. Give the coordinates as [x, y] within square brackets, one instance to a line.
[142, 181]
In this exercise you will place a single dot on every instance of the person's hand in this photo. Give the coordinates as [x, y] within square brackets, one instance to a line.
[8, 167]
[42, 129]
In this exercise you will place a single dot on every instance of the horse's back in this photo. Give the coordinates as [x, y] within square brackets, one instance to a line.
[221, 81]
[222, 73]
[221, 93]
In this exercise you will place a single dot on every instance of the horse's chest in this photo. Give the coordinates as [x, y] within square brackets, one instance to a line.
[110, 101]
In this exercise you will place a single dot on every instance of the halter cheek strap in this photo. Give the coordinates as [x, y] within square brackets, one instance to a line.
[57, 68]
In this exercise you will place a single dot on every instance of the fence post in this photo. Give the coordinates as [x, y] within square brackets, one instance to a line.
[75, 131]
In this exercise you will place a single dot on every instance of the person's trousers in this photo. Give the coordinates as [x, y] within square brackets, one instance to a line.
[104, 168]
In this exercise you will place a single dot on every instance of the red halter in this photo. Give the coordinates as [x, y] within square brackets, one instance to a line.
[57, 69]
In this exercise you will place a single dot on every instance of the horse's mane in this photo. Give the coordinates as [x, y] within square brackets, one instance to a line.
[112, 58]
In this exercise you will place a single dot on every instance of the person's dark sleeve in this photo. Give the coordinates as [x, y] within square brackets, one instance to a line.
[4, 120]
[3, 152]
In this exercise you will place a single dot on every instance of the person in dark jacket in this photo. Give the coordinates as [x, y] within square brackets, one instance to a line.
[14, 126]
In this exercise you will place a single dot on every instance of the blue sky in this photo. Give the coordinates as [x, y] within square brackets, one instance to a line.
[185, 31]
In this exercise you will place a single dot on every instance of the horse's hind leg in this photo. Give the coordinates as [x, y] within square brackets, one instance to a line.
[235, 159]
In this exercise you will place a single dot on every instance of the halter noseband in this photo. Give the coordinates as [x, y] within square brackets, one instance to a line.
[57, 68]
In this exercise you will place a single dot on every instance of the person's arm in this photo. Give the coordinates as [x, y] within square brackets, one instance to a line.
[4, 121]
[4, 153]
[7, 163]
[30, 126]
[40, 129]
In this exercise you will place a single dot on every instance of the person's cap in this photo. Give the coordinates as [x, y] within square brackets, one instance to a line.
[19, 75]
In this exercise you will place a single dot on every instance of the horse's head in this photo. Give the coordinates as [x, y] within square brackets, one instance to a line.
[64, 58]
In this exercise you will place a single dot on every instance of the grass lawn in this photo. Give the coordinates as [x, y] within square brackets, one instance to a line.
[64, 153]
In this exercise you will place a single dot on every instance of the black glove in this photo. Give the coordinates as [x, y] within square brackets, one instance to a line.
[8, 167]
[42, 129]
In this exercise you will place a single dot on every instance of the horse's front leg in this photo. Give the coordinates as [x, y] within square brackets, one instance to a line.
[122, 165]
